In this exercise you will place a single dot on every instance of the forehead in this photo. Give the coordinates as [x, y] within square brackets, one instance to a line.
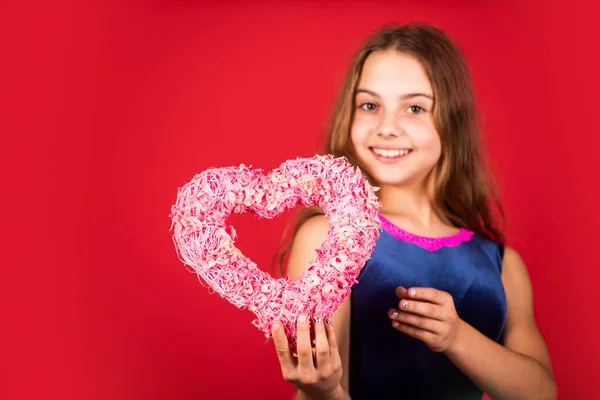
[393, 73]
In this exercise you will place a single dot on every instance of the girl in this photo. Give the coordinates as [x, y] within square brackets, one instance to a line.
[442, 309]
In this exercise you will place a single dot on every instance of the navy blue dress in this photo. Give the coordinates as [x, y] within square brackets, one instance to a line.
[388, 364]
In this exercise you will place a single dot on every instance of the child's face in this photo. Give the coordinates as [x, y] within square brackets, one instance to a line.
[393, 130]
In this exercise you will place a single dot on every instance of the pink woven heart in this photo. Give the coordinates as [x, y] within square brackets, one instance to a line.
[204, 242]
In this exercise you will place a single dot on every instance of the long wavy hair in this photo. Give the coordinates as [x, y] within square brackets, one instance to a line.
[464, 190]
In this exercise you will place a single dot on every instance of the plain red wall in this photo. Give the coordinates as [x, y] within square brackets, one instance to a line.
[107, 109]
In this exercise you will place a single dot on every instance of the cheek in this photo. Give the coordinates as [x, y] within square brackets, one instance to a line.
[436, 147]
[428, 140]
[358, 135]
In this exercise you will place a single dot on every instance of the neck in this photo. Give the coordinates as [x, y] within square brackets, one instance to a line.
[413, 205]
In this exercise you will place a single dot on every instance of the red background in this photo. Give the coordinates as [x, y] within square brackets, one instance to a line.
[108, 108]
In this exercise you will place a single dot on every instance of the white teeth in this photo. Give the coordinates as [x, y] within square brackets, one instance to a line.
[390, 152]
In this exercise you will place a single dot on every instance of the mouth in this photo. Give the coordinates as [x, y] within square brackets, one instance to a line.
[390, 154]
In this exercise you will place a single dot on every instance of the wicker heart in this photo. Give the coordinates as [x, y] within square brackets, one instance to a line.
[204, 242]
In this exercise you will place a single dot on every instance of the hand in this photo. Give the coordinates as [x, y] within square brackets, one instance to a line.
[317, 376]
[428, 315]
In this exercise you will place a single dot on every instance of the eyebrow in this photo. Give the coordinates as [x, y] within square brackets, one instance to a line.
[403, 97]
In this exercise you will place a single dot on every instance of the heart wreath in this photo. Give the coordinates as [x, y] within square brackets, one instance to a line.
[204, 241]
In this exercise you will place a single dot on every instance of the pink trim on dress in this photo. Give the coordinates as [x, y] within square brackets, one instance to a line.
[431, 244]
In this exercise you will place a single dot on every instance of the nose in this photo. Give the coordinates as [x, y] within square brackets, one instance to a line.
[389, 126]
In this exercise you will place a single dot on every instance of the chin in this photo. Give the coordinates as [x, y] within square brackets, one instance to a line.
[391, 181]
[399, 179]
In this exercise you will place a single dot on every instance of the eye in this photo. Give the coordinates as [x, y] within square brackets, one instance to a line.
[368, 106]
[414, 109]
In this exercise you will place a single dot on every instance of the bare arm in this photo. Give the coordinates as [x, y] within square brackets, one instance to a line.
[521, 368]
[310, 237]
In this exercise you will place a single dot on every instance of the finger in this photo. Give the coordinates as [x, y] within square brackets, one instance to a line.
[304, 348]
[428, 324]
[334, 352]
[321, 343]
[402, 292]
[286, 360]
[429, 294]
[421, 334]
[425, 309]
[331, 334]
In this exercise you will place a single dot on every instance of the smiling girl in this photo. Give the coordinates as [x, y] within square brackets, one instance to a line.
[443, 309]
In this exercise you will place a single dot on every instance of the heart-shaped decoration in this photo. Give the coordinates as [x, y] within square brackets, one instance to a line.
[204, 241]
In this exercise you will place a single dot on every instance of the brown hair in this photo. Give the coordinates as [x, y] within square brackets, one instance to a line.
[464, 192]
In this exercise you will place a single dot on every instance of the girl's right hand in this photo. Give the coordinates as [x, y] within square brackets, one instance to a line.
[318, 376]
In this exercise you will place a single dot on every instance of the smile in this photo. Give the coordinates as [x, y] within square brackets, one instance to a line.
[390, 154]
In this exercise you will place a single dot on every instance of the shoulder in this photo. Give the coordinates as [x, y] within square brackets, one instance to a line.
[318, 224]
[511, 256]
[513, 265]
[309, 237]
[516, 281]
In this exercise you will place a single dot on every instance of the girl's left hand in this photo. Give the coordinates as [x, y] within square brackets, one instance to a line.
[427, 314]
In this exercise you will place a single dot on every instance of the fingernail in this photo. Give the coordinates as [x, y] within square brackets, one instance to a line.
[395, 323]
[413, 292]
[276, 326]
[302, 318]
[405, 305]
[317, 320]
[328, 320]
[394, 314]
